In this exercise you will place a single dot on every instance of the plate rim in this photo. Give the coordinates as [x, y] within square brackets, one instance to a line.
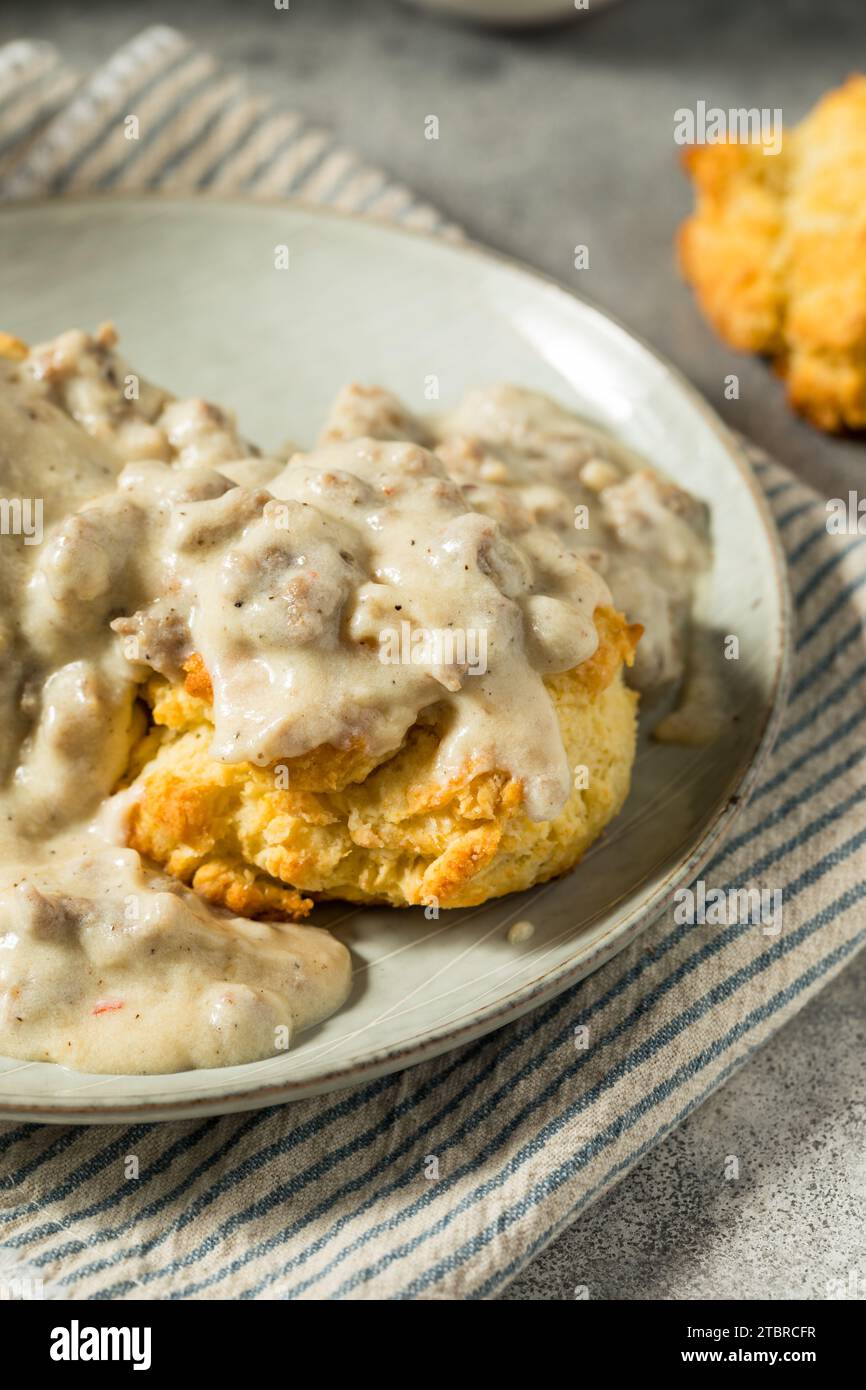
[623, 931]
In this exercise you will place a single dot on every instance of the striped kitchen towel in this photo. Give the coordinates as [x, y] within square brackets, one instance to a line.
[332, 1197]
[201, 128]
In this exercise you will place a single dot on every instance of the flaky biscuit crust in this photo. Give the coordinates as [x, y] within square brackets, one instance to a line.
[335, 827]
[776, 253]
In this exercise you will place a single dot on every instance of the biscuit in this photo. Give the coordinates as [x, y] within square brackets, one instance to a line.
[776, 253]
[261, 840]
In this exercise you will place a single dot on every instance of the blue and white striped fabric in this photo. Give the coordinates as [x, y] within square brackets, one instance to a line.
[201, 128]
[329, 1197]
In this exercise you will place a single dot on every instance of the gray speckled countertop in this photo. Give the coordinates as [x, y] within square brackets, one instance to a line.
[547, 139]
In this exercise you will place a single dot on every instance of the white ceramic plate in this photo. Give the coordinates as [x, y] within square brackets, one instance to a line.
[201, 308]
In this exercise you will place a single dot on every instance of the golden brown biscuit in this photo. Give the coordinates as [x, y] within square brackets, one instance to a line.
[12, 348]
[776, 252]
[256, 839]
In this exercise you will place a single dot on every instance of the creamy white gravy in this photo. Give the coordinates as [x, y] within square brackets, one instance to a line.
[166, 534]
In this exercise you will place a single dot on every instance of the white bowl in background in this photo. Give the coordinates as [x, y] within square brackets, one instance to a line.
[511, 12]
